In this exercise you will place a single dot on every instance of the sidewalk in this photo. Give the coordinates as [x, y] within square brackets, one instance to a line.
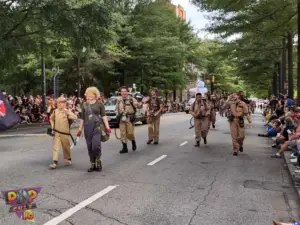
[291, 168]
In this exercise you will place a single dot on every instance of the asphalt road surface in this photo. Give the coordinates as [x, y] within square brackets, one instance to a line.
[172, 183]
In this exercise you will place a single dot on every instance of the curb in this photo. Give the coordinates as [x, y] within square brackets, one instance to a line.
[291, 168]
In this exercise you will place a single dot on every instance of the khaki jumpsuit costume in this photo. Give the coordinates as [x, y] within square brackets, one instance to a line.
[238, 110]
[212, 112]
[127, 108]
[201, 124]
[59, 122]
[154, 120]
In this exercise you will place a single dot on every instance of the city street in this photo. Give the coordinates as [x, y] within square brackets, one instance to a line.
[173, 183]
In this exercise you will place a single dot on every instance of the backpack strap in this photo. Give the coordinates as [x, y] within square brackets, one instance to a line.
[193, 106]
[131, 103]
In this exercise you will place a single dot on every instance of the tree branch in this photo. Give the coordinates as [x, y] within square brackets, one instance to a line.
[289, 19]
[21, 22]
[24, 35]
[16, 26]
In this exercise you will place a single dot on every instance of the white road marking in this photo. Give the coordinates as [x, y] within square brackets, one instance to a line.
[156, 160]
[183, 143]
[22, 135]
[70, 212]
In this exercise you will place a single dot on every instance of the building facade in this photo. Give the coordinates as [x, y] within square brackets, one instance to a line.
[178, 10]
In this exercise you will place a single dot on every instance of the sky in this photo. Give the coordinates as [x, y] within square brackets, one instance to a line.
[197, 18]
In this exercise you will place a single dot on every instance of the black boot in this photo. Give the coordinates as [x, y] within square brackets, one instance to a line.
[241, 149]
[197, 144]
[124, 149]
[98, 165]
[205, 141]
[214, 126]
[92, 167]
[133, 145]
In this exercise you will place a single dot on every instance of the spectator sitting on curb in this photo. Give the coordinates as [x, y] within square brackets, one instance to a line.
[272, 129]
[292, 142]
[284, 136]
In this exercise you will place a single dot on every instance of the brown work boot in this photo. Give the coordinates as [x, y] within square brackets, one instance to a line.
[149, 142]
[53, 165]
[68, 162]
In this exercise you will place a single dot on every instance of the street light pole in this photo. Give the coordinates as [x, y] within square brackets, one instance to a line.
[54, 83]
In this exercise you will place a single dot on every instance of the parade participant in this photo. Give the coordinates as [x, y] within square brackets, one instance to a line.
[200, 110]
[220, 106]
[154, 108]
[60, 124]
[126, 108]
[238, 110]
[92, 115]
[211, 100]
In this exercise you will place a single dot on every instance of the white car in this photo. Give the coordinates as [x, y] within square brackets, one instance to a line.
[188, 105]
[110, 110]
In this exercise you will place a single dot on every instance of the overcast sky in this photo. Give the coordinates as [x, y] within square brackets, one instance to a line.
[196, 17]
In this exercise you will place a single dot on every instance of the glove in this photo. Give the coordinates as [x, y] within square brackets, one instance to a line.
[108, 130]
[79, 133]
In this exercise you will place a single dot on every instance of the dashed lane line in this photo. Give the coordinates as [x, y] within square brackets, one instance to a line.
[81, 205]
[183, 143]
[156, 160]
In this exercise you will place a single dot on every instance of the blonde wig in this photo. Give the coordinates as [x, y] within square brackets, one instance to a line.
[93, 90]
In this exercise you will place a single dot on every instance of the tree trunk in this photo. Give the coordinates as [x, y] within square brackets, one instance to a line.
[78, 76]
[290, 66]
[282, 78]
[275, 80]
[278, 78]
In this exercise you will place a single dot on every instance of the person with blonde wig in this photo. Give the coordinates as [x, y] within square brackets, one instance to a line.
[93, 114]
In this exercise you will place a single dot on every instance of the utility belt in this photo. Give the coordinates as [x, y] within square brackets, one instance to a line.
[152, 113]
[49, 132]
[239, 118]
[125, 117]
[201, 116]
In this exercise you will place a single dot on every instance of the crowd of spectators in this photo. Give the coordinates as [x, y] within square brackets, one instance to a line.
[283, 126]
[30, 108]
